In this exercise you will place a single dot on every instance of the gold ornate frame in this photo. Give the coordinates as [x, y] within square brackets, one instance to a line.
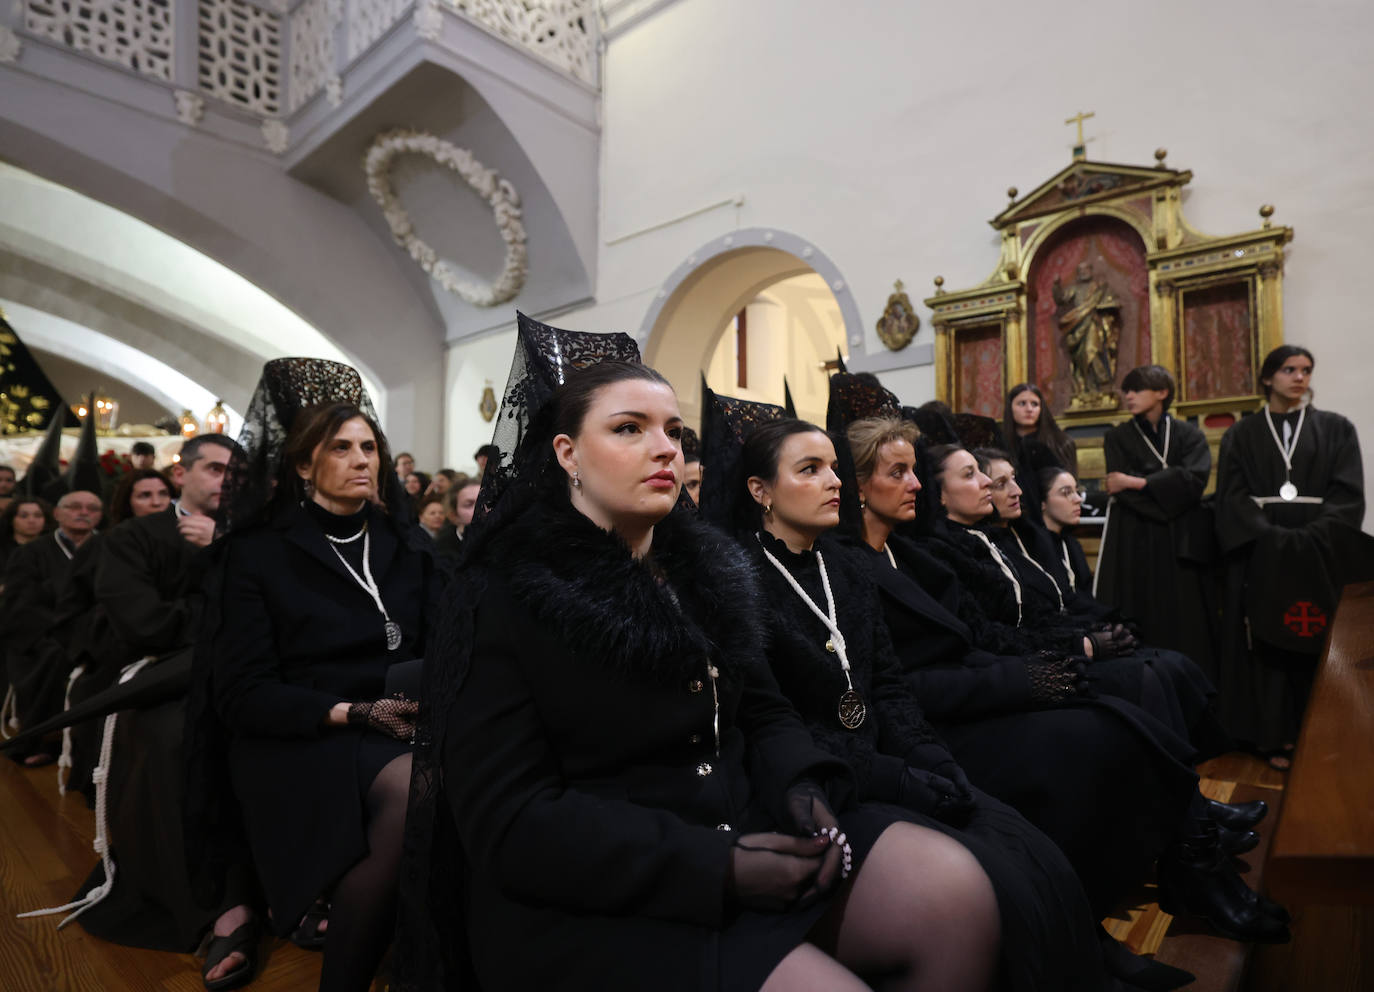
[1180, 261]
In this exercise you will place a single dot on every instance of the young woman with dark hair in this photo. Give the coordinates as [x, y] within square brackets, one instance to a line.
[1017, 704]
[1027, 418]
[319, 600]
[833, 659]
[26, 518]
[1061, 510]
[637, 805]
[1290, 506]
[1158, 552]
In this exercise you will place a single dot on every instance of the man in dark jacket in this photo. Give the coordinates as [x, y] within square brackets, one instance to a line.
[148, 585]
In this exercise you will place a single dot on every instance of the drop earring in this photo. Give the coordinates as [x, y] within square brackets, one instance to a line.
[767, 509]
[577, 483]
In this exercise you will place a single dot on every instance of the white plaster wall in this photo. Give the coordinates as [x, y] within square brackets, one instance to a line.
[887, 132]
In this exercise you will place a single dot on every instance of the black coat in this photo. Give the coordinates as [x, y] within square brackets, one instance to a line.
[581, 767]
[1047, 927]
[296, 635]
[1043, 762]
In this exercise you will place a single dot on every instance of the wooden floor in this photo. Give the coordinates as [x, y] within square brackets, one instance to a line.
[45, 854]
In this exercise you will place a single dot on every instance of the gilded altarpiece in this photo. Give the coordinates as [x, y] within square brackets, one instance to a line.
[1100, 273]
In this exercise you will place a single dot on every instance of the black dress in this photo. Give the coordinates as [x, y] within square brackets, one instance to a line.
[1013, 607]
[1158, 559]
[296, 635]
[1167, 684]
[1102, 778]
[1048, 930]
[581, 765]
[1286, 564]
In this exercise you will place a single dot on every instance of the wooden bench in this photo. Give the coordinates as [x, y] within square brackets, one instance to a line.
[1323, 851]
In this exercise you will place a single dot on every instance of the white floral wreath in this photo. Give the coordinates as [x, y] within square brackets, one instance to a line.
[505, 204]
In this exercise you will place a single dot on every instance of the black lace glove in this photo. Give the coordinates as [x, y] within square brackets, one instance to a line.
[935, 795]
[1111, 641]
[393, 717]
[775, 872]
[1055, 679]
[809, 809]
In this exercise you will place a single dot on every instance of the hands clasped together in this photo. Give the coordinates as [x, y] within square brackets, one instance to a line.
[392, 716]
[776, 871]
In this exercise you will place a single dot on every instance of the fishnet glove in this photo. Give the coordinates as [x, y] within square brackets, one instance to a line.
[1055, 679]
[393, 717]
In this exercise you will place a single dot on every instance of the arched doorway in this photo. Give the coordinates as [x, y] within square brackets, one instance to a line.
[791, 303]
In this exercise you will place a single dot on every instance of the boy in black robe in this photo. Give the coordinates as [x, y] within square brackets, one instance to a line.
[1157, 545]
[1289, 552]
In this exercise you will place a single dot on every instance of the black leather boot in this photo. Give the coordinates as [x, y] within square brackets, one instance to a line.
[1235, 842]
[1237, 816]
[1196, 878]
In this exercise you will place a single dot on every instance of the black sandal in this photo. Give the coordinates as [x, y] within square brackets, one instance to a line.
[245, 941]
[308, 936]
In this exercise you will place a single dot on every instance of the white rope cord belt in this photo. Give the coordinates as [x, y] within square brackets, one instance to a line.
[1266, 500]
[64, 761]
[9, 719]
[100, 777]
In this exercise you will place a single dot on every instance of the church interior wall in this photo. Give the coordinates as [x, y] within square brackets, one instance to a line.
[309, 252]
[887, 134]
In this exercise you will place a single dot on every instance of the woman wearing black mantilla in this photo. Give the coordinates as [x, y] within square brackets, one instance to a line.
[637, 804]
[832, 657]
[321, 591]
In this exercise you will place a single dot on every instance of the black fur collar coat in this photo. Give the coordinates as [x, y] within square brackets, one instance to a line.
[594, 802]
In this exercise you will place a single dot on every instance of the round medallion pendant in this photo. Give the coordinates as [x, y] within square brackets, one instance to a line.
[393, 635]
[1288, 491]
[852, 710]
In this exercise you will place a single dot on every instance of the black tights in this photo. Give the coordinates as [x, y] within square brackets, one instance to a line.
[362, 915]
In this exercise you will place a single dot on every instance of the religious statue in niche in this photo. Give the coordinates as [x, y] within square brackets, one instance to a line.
[898, 324]
[1089, 317]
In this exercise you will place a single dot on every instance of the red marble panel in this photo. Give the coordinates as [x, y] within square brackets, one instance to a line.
[978, 371]
[1218, 340]
[1117, 256]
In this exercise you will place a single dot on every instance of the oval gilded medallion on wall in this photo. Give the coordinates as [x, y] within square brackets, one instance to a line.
[487, 407]
[898, 324]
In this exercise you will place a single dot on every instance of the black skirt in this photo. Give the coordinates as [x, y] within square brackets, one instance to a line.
[1048, 932]
[303, 838]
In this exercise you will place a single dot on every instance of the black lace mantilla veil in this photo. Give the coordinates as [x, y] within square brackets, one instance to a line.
[285, 388]
[725, 423]
[431, 949]
[854, 397]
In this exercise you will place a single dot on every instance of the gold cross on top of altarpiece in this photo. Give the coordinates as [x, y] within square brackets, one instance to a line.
[1080, 150]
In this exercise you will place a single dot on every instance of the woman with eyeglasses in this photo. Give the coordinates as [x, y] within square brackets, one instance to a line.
[1062, 510]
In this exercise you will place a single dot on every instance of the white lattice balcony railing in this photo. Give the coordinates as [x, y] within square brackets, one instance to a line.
[269, 58]
[562, 32]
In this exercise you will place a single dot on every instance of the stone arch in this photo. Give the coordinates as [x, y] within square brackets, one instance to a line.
[694, 305]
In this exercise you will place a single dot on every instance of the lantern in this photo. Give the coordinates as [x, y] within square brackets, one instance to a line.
[189, 427]
[217, 421]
